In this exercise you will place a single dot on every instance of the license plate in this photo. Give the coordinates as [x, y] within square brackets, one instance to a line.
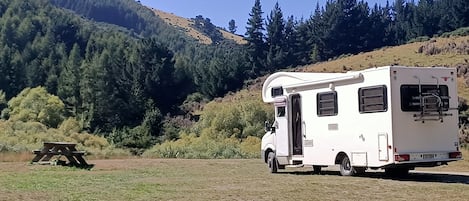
[428, 156]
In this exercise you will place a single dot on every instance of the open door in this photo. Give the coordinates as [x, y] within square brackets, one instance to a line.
[282, 140]
[296, 124]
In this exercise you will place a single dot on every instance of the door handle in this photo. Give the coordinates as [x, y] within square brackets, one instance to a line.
[304, 129]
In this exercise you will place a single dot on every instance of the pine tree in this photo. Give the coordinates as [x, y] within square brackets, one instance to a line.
[276, 55]
[232, 26]
[69, 88]
[254, 35]
[303, 42]
[290, 43]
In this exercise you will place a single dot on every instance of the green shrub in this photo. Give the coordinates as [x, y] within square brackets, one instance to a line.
[35, 104]
[204, 147]
[239, 119]
[458, 32]
[69, 126]
[419, 39]
[18, 136]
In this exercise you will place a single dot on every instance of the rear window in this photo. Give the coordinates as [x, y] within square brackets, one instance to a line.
[410, 98]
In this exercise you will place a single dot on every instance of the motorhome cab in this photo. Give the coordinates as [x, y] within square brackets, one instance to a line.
[395, 118]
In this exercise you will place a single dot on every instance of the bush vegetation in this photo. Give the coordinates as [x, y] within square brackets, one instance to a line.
[464, 31]
[227, 128]
[35, 116]
[18, 136]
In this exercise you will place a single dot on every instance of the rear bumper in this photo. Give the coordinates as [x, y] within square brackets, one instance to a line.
[413, 164]
[424, 159]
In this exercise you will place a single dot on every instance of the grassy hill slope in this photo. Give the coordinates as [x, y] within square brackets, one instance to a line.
[448, 52]
[435, 52]
[186, 25]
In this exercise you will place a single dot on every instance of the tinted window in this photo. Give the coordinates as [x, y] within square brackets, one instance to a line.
[373, 99]
[432, 96]
[280, 111]
[327, 104]
[276, 91]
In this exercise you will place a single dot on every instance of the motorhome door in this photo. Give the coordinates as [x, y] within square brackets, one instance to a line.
[296, 124]
[282, 144]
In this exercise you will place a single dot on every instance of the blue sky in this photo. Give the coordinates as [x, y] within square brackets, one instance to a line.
[221, 12]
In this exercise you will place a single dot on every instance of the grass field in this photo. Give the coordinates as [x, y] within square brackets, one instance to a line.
[176, 179]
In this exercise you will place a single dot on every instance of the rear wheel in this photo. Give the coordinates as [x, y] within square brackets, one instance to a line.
[272, 162]
[346, 168]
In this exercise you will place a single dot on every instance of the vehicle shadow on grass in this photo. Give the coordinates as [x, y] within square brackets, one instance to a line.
[443, 177]
[428, 177]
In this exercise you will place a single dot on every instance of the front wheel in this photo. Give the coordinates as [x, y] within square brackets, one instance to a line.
[346, 168]
[272, 162]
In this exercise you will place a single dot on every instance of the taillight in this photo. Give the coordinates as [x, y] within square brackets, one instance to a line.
[456, 154]
[402, 157]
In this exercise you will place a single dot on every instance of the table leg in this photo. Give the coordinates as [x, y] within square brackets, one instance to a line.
[49, 153]
[38, 157]
[81, 159]
[67, 153]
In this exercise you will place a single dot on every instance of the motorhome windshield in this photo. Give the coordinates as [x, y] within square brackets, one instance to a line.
[413, 96]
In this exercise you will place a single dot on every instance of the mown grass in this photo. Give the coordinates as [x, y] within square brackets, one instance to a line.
[233, 179]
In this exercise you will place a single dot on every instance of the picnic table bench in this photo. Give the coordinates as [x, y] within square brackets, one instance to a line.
[67, 149]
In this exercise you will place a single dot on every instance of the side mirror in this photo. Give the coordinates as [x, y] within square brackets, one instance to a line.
[267, 127]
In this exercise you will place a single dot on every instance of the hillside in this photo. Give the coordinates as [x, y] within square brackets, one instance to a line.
[449, 52]
[446, 52]
[187, 26]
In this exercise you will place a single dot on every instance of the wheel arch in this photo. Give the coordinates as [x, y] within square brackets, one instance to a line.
[338, 158]
[266, 153]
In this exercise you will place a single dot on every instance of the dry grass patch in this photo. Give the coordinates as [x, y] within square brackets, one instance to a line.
[238, 39]
[187, 26]
[15, 157]
[405, 55]
[184, 24]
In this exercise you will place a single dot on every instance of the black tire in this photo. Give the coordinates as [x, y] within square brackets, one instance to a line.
[397, 172]
[346, 168]
[272, 162]
[316, 169]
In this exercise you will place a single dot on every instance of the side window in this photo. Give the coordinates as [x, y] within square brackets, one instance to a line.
[327, 104]
[276, 91]
[281, 111]
[373, 99]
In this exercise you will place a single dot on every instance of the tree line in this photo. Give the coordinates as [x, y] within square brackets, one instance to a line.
[119, 69]
[345, 27]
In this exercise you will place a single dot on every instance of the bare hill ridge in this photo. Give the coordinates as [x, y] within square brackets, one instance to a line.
[187, 26]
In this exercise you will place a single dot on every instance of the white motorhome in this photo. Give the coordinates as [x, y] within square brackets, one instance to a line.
[394, 117]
